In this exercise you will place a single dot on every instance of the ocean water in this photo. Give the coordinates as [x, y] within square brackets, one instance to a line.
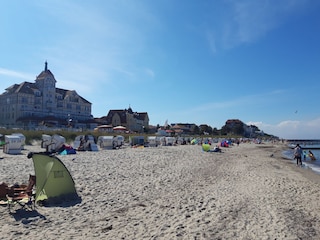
[314, 165]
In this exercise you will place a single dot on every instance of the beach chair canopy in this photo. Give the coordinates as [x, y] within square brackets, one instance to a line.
[53, 178]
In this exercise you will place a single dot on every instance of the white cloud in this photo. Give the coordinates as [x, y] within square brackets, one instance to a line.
[212, 42]
[248, 20]
[15, 74]
[291, 129]
[248, 100]
[149, 72]
[99, 42]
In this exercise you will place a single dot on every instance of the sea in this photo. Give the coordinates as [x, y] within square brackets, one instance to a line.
[313, 146]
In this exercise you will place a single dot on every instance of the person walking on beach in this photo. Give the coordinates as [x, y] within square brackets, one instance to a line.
[297, 154]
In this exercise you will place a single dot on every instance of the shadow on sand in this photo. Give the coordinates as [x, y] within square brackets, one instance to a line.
[64, 201]
[27, 216]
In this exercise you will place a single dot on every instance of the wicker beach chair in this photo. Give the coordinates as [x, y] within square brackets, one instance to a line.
[22, 195]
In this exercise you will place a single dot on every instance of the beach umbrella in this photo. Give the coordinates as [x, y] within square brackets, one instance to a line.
[122, 128]
[105, 126]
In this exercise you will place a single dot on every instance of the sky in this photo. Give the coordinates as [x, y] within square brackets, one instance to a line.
[200, 62]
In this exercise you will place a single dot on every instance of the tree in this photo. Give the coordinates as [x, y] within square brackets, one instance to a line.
[225, 130]
[215, 131]
[238, 130]
[196, 130]
[205, 129]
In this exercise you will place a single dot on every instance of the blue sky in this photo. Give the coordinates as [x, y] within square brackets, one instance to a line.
[201, 62]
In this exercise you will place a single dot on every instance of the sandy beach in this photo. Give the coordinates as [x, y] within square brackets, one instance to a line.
[176, 192]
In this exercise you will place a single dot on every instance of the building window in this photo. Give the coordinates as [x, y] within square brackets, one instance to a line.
[24, 100]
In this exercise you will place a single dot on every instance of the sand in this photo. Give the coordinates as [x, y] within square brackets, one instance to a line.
[174, 192]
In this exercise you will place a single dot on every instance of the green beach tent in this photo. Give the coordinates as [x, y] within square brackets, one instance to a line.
[53, 179]
[206, 147]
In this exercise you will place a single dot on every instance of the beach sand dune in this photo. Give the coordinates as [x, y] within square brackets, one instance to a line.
[175, 192]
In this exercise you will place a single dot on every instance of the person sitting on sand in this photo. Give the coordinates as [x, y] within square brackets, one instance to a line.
[82, 144]
[297, 154]
[216, 149]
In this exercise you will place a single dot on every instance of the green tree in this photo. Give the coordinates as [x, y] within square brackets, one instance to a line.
[215, 131]
[238, 130]
[196, 130]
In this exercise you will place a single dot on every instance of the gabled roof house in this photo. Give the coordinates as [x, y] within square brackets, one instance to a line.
[133, 121]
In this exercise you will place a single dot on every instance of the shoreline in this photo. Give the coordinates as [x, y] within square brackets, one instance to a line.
[248, 191]
[307, 164]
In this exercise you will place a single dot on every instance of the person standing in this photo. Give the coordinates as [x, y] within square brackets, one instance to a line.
[297, 154]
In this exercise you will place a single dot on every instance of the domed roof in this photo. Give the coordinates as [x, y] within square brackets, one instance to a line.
[130, 110]
[45, 73]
